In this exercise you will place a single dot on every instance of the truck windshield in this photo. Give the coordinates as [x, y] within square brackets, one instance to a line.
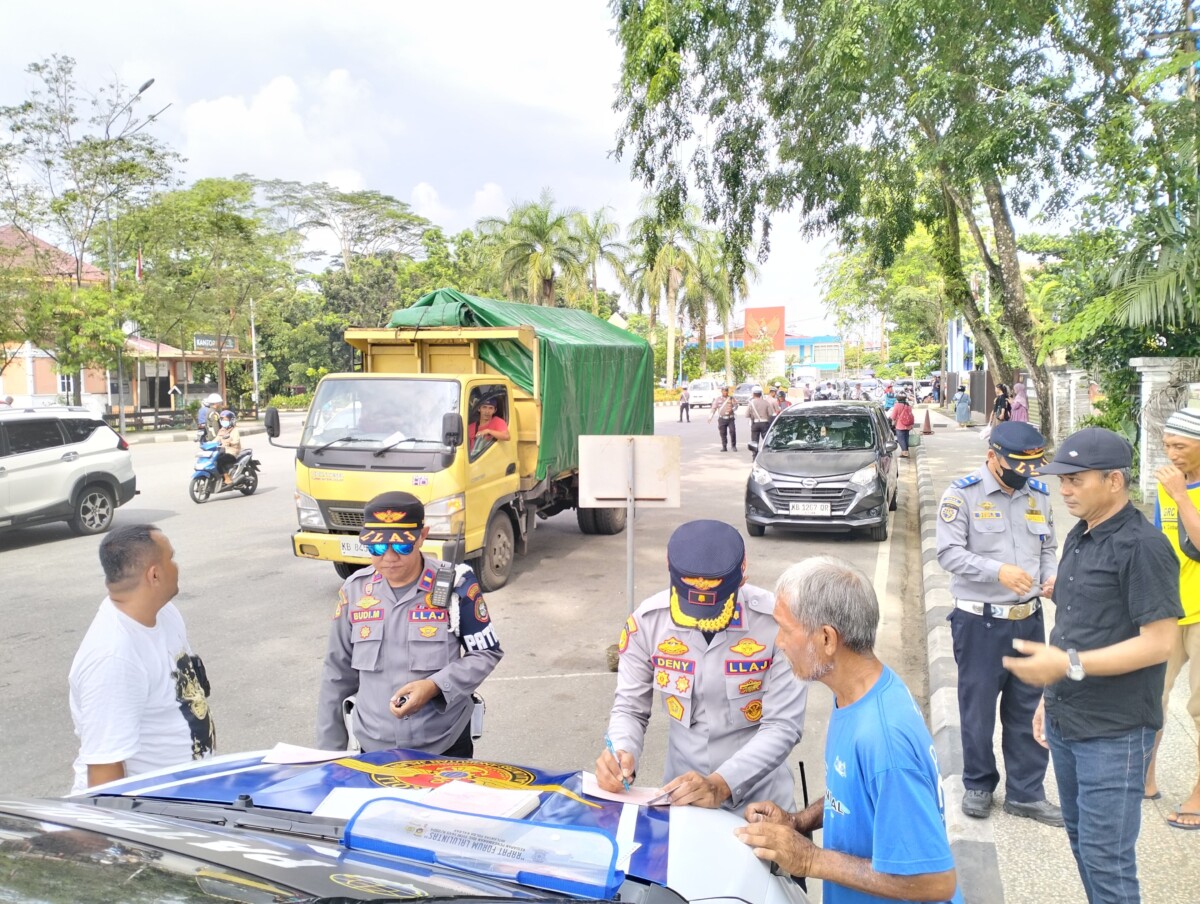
[375, 414]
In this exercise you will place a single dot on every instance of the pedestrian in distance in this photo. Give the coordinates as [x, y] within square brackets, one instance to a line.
[937, 390]
[995, 537]
[782, 400]
[6, 402]
[412, 660]
[761, 411]
[1117, 615]
[1020, 403]
[962, 407]
[685, 407]
[138, 694]
[902, 419]
[724, 409]
[884, 831]
[707, 647]
[1177, 515]
[1001, 407]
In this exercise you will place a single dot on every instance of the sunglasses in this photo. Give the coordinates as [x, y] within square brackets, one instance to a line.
[380, 549]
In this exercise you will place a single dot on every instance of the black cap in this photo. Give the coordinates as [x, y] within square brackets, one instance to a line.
[1091, 449]
[392, 518]
[1021, 445]
[707, 561]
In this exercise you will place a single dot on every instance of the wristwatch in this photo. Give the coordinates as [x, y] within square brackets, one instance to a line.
[1074, 668]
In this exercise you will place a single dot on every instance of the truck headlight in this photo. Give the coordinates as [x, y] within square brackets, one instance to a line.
[447, 517]
[865, 477]
[309, 513]
[760, 475]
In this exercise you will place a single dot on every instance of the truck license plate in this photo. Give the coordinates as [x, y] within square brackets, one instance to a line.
[810, 508]
[353, 549]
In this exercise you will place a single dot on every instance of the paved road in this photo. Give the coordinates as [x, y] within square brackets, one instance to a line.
[259, 616]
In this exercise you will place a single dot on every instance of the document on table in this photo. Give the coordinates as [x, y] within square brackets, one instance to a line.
[342, 803]
[638, 796]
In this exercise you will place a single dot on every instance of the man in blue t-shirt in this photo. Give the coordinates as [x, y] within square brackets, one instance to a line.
[884, 829]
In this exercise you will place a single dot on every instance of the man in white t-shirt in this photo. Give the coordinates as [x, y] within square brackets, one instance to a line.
[138, 694]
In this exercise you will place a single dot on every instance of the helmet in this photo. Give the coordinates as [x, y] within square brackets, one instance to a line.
[213, 399]
[228, 415]
[756, 389]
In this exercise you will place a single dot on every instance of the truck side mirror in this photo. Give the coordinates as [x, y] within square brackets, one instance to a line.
[271, 422]
[452, 429]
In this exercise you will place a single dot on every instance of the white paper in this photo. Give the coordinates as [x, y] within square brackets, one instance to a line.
[639, 796]
[291, 754]
[342, 803]
[468, 797]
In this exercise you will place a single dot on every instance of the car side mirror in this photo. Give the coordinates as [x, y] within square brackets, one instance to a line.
[271, 422]
[890, 446]
[452, 429]
[753, 447]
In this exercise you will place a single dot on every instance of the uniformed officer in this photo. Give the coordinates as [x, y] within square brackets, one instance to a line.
[706, 649]
[412, 665]
[995, 536]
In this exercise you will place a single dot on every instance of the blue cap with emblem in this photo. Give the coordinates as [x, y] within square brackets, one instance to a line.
[1091, 449]
[1021, 445]
[392, 518]
[707, 561]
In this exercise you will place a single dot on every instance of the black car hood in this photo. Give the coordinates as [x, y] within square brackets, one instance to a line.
[815, 464]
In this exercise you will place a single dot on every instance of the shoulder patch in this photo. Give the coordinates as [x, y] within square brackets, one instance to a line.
[969, 481]
[1039, 487]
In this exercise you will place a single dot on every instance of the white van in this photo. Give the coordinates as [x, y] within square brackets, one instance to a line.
[702, 393]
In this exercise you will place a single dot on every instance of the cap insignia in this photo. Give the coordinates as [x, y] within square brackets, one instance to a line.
[388, 517]
[702, 583]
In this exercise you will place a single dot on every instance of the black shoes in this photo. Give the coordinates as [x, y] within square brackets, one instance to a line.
[1041, 810]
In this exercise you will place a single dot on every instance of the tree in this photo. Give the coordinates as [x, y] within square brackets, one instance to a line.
[599, 240]
[536, 247]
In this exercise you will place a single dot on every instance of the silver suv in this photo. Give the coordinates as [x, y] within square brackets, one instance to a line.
[62, 464]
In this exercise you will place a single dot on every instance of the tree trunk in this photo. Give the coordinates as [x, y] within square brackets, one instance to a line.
[702, 345]
[547, 299]
[728, 351]
[595, 292]
[673, 279]
[948, 253]
[1015, 315]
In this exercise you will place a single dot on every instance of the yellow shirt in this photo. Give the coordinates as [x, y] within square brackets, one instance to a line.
[1167, 518]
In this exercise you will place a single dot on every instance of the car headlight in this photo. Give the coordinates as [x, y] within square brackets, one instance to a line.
[865, 477]
[309, 513]
[760, 475]
[446, 517]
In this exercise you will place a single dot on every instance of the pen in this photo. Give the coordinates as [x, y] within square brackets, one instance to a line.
[613, 751]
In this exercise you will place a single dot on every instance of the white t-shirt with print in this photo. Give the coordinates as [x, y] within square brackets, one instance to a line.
[130, 686]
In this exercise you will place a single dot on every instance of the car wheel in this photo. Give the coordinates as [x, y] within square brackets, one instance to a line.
[587, 519]
[345, 569]
[755, 530]
[93, 513]
[200, 489]
[879, 532]
[495, 564]
[610, 520]
[248, 484]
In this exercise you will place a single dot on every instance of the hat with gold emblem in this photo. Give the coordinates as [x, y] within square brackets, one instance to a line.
[707, 561]
[392, 518]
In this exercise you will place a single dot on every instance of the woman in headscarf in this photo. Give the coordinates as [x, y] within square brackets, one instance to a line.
[962, 406]
[1020, 403]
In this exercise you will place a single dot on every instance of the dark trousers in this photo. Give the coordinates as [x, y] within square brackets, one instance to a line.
[464, 747]
[685, 410]
[728, 428]
[758, 429]
[979, 643]
[225, 461]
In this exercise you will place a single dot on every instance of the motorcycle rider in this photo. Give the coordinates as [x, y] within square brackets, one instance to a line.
[230, 439]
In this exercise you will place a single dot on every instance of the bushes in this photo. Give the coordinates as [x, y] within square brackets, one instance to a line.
[292, 402]
[667, 395]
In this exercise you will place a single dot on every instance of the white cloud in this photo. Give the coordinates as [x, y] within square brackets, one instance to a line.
[489, 201]
[426, 202]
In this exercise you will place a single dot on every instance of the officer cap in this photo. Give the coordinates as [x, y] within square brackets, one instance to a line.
[1021, 445]
[756, 389]
[392, 518]
[1091, 449]
[707, 563]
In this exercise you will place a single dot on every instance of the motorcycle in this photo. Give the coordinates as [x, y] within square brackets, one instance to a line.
[207, 480]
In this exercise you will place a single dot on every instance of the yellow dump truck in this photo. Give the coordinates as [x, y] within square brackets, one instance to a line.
[408, 420]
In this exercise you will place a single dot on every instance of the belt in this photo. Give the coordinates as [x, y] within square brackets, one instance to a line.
[1010, 611]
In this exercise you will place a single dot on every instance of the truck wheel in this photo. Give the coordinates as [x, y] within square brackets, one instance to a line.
[345, 569]
[587, 519]
[495, 564]
[610, 520]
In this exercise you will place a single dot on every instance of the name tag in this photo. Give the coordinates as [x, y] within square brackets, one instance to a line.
[687, 666]
[362, 615]
[1035, 517]
[747, 667]
[987, 516]
[428, 615]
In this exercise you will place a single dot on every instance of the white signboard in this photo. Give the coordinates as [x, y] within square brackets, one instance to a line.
[604, 471]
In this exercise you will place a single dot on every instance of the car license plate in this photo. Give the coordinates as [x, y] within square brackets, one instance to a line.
[810, 508]
[353, 548]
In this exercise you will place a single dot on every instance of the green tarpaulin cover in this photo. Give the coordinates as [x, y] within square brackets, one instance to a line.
[596, 377]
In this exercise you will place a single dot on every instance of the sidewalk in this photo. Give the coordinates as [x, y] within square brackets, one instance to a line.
[188, 435]
[1006, 857]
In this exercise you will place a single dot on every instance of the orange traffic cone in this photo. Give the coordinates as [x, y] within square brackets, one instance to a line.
[927, 430]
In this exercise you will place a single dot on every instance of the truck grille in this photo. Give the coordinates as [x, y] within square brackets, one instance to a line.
[348, 519]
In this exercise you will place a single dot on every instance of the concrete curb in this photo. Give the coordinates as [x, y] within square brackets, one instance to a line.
[973, 841]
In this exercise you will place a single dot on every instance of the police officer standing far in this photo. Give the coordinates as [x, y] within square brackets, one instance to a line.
[412, 664]
[995, 536]
[706, 647]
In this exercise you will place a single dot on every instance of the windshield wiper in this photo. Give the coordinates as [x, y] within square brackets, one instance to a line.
[408, 439]
[348, 438]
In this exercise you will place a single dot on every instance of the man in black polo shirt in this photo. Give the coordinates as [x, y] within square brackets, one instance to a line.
[1116, 613]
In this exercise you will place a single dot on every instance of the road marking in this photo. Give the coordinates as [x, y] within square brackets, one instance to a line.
[562, 675]
[883, 560]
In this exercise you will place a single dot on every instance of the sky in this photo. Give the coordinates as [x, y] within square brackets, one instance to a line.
[458, 108]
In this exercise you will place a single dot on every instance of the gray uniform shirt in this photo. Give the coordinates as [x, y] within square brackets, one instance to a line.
[378, 643]
[733, 707]
[980, 528]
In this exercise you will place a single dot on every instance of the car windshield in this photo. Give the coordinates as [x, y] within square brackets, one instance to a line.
[378, 414]
[821, 433]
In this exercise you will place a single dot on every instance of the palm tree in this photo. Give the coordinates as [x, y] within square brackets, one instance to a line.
[1157, 282]
[536, 246]
[714, 290]
[598, 236]
[666, 249]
